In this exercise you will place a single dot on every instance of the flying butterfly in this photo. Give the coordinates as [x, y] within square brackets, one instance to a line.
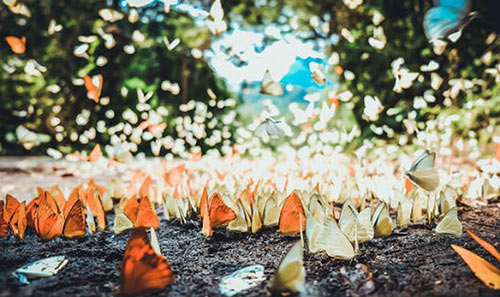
[422, 172]
[269, 128]
[446, 18]
[269, 86]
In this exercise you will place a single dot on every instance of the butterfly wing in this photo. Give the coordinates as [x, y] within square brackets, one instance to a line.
[219, 212]
[122, 222]
[146, 216]
[18, 222]
[445, 18]
[292, 215]
[427, 178]
[131, 208]
[17, 45]
[270, 87]
[50, 223]
[425, 160]
[273, 130]
[11, 205]
[487, 273]
[4, 227]
[450, 225]
[143, 270]
[74, 225]
[290, 276]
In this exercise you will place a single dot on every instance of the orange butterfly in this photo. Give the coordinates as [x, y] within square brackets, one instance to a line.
[93, 91]
[408, 185]
[138, 178]
[92, 198]
[95, 154]
[17, 45]
[141, 214]
[216, 214]
[143, 270]
[155, 129]
[58, 196]
[11, 205]
[31, 211]
[292, 216]
[18, 221]
[14, 215]
[74, 223]
[204, 202]
[487, 273]
[4, 227]
[49, 220]
[195, 157]
[174, 175]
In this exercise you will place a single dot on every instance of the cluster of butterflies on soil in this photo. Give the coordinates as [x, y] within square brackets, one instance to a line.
[259, 205]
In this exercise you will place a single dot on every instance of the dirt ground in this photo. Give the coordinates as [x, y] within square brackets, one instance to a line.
[411, 262]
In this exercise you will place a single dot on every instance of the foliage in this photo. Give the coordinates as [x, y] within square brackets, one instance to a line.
[66, 114]
[367, 69]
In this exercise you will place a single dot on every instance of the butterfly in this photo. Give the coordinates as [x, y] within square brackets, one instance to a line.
[135, 214]
[93, 86]
[92, 199]
[4, 226]
[292, 216]
[49, 219]
[269, 86]
[174, 175]
[317, 73]
[240, 223]
[17, 45]
[382, 222]
[171, 45]
[450, 225]
[422, 172]
[404, 210]
[143, 269]
[216, 213]
[269, 128]
[74, 223]
[110, 15]
[139, 3]
[271, 213]
[290, 275]
[14, 215]
[446, 17]
[327, 236]
[356, 226]
[487, 273]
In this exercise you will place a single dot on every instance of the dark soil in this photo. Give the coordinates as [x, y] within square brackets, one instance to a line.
[411, 262]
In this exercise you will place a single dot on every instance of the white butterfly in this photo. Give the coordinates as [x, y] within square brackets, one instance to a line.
[171, 45]
[138, 3]
[422, 172]
[269, 86]
[373, 107]
[110, 15]
[432, 66]
[269, 128]
[54, 27]
[317, 73]
[404, 79]
[378, 41]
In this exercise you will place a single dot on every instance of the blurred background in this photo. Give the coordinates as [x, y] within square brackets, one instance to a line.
[177, 78]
